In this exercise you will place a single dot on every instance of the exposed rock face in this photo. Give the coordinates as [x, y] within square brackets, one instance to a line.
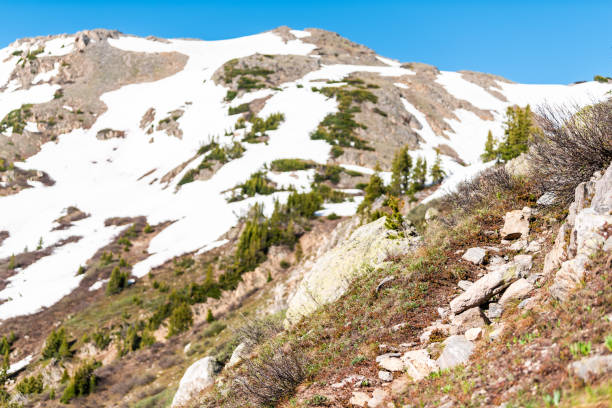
[335, 49]
[588, 214]
[199, 376]
[94, 68]
[105, 134]
[331, 275]
[281, 68]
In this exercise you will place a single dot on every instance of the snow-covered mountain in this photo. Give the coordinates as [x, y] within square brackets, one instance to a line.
[116, 122]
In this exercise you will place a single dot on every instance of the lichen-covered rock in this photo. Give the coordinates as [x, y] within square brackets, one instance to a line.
[457, 350]
[198, 377]
[331, 275]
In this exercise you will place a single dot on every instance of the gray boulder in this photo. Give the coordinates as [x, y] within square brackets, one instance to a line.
[485, 288]
[457, 350]
[468, 319]
[591, 366]
[333, 272]
[518, 290]
[198, 377]
[475, 255]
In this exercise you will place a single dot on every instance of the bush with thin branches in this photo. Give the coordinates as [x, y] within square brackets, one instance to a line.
[255, 331]
[574, 143]
[273, 375]
[487, 185]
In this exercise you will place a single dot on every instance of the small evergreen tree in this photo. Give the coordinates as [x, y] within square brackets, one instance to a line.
[518, 128]
[132, 341]
[209, 316]
[490, 151]
[395, 220]
[401, 167]
[11, 264]
[181, 319]
[374, 189]
[57, 345]
[436, 172]
[82, 383]
[117, 281]
[210, 277]
[419, 174]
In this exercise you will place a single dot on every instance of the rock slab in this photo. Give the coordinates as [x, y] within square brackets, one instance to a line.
[199, 376]
[457, 350]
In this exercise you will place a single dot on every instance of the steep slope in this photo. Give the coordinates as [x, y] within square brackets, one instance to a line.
[109, 138]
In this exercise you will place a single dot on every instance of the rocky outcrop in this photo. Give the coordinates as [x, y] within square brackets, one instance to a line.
[198, 377]
[331, 275]
[582, 234]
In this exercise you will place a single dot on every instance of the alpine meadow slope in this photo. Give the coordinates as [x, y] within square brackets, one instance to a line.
[146, 165]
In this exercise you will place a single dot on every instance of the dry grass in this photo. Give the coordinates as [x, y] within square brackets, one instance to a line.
[528, 365]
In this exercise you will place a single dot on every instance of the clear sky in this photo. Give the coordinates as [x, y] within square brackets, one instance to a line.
[526, 41]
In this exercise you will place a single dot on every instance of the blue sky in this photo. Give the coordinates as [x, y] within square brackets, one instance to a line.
[525, 41]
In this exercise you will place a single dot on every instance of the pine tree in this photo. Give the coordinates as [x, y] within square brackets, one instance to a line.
[210, 278]
[209, 316]
[436, 172]
[419, 174]
[64, 348]
[490, 152]
[56, 345]
[401, 167]
[117, 282]
[180, 320]
[518, 128]
[11, 264]
[395, 220]
[374, 189]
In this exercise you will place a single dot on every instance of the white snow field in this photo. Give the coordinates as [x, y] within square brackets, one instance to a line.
[103, 178]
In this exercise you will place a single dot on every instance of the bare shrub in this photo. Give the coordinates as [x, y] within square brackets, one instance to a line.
[255, 331]
[123, 387]
[487, 185]
[168, 361]
[266, 379]
[574, 144]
